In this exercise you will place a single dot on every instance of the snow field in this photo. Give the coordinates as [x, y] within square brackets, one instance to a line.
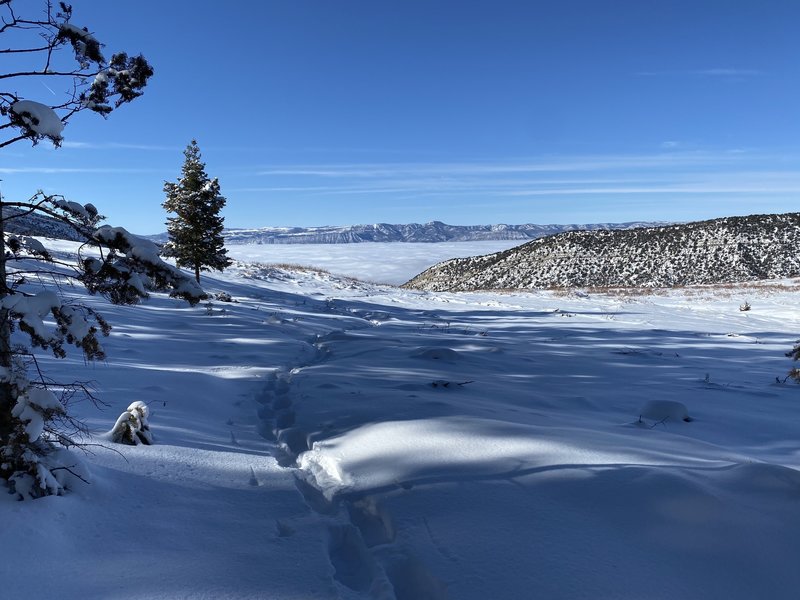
[322, 438]
[536, 475]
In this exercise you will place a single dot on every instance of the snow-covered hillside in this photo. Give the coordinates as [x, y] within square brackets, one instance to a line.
[432, 232]
[726, 250]
[325, 438]
[22, 222]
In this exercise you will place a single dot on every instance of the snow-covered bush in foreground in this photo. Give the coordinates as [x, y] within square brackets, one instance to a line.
[132, 426]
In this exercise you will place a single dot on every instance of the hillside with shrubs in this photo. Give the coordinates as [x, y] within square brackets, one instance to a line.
[726, 250]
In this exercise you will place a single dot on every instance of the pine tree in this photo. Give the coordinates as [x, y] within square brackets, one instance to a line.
[35, 423]
[195, 232]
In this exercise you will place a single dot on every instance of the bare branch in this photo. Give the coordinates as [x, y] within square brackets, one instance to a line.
[71, 472]
[47, 73]
[12, 140]
[25, 50]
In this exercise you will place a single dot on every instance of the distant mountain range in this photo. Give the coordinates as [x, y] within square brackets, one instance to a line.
[435, 231]
[727, 250]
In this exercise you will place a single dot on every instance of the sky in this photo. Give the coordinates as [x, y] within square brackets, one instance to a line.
[313, 112]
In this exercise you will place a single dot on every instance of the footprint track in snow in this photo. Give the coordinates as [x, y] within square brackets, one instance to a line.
[362, 540]
[411, 580]
[374, 523]
[352, 562]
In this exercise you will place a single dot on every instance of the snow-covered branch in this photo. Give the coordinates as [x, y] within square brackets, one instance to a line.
[128, 268]
[99, 85]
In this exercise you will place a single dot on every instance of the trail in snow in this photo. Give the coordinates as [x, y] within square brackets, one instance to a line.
[354, 527]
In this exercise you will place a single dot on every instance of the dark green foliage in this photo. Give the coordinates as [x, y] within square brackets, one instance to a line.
[195, 232]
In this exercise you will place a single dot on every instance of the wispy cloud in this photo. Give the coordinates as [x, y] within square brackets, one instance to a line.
[117, 146]
[520, 167]
[332, 150]
[718, 72]
[672, 173]
[465, 186]
[699, 188]
[726, 72]
[68, 170]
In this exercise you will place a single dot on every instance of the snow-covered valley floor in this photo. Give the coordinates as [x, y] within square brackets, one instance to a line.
[325, 438]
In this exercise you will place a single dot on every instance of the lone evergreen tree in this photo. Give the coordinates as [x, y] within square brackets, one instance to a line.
[35, 424]
[195, 232]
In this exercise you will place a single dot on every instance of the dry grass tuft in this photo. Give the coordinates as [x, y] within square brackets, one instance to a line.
[298, 267]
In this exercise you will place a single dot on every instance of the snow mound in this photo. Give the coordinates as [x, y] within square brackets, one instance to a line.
[765, 478]
[665, 410]
[392, 453]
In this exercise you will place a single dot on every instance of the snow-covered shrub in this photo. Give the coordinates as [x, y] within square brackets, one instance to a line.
[132, 426]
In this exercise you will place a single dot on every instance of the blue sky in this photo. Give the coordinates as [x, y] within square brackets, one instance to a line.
[336, 112]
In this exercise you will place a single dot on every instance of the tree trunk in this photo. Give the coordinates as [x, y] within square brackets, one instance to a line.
[6, 396]
[197, 272]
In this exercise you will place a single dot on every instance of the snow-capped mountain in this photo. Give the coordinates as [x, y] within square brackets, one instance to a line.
[726, 250]
[435, 231]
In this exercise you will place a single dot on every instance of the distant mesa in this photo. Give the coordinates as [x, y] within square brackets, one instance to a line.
[432, 232]
[727, 250]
